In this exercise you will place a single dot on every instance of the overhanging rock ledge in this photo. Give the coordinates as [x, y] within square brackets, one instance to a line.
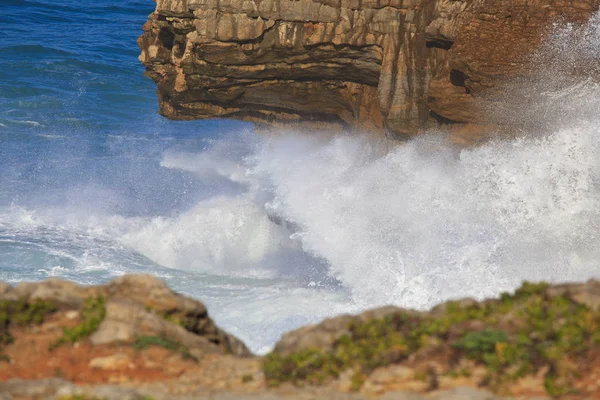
[394, 66]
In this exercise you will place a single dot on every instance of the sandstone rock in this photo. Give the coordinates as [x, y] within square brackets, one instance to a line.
[136, 305]
[56, 389]
[112, 362]
[323, 335]
[7, 292]
[395, 66]
[62, 293]
[395, 378]
[401, 396]
[126, 320]
[587, 294]
[465, 393]
[107, 392]
[320, 336]
[33, 389]
[151, 293]
[441, 308]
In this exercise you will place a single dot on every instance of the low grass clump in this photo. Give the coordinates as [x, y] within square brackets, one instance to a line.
[524, 332]
[92, 315]
[367, 346]
[21, 313]
[143, 342]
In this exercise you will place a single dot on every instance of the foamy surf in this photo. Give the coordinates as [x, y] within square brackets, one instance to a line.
[277, 232]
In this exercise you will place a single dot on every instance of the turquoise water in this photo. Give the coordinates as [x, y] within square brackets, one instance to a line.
[277, 232]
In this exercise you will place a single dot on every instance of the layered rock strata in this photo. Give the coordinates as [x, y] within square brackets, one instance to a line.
[395, 66]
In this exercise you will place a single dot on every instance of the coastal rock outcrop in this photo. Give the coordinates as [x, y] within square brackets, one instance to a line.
[128, 307]
[536, 341]
[393, 66]
[135, 338]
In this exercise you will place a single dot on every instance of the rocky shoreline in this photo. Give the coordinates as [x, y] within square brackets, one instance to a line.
[134, 338]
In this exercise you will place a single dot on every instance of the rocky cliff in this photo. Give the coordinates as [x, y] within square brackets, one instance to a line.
[394, 66]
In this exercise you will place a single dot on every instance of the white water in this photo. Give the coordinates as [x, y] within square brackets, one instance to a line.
[297, 228]
[410, 226]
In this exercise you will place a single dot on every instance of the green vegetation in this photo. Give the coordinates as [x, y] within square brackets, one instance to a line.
[173, 317]
[369, 345]
[479, 345]
[357, 380]
[24, 313]
[143, 342]
[93, 313]
[525, 332]
[21, 313]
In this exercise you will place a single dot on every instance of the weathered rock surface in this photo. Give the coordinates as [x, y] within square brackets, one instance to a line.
[397, 66]
[153, 343]
[136, 305]
[540, 340]
[324, 334]
[52, 389]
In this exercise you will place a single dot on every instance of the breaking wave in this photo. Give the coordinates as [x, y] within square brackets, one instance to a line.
[274, 232]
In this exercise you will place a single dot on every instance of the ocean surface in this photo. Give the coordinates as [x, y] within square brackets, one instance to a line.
[276, 232]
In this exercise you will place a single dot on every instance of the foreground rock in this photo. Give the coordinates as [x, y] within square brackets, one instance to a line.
[64, 390]
[134, 338]
[132, 307]
[541, 340]
[398, 66]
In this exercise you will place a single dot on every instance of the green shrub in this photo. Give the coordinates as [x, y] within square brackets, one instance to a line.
[367, 346]
[545, 332]
[92, 315]
[21, 313]
[143, 342]
[479, 345]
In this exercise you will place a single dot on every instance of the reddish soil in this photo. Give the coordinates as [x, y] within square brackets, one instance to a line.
[30, 358]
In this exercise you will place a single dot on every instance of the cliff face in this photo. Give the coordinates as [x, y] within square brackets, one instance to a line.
[397, 66]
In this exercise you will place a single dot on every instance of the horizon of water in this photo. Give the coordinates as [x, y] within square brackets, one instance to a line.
[277, 232]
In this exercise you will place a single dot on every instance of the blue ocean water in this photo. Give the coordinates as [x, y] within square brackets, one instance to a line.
[81, 147]
[75, 107]
[72, 90]
[274, 232]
